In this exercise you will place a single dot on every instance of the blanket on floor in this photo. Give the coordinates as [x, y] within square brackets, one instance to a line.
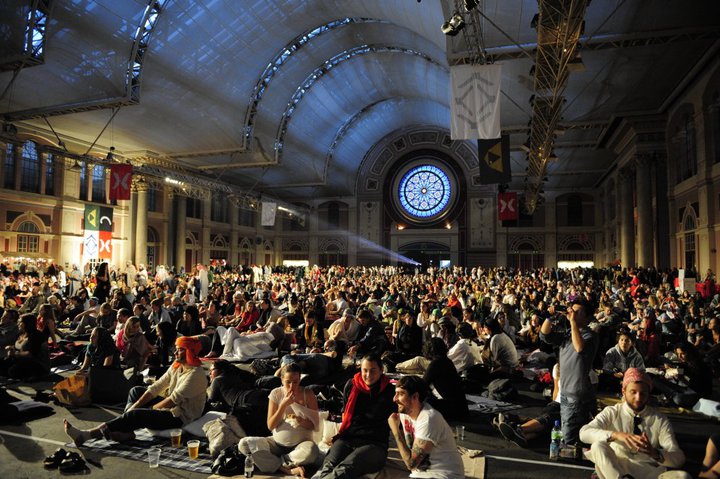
[175, 457]
[485, 405]
[473, 460]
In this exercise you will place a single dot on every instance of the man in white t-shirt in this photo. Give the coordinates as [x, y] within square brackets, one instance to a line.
[423, 437]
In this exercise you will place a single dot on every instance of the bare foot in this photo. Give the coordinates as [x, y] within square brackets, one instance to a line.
[78, 436]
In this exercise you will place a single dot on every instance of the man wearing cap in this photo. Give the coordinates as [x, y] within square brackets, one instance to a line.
[631, 439]
[176, 399]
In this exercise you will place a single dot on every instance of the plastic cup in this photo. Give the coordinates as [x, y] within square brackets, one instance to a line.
[460, 433]
[193, 449]
[176, 437]
[154, 457]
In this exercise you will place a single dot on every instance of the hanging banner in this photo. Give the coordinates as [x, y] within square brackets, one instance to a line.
[494, 156]
[507, 206]
[120, 180]
[269, 210]
[97, 243]
[475, 102]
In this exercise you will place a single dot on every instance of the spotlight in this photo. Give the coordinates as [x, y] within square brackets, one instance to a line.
[470, 4]
[75, 167]
[453, 26]
[110, 155]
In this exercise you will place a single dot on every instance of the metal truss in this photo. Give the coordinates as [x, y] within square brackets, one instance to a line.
[279, 60]
[599, 42]
[319, 72]
[132, 80]
[33, 52]
[559, 26]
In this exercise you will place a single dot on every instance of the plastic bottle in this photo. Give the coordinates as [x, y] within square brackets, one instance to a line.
[249, 466]
[556, 437]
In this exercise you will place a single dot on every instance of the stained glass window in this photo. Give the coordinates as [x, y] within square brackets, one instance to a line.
[424, 191]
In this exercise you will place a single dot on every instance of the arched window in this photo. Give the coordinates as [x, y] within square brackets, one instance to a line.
[98, 184]
[30, 168]
[683, 147]
[9, 167]
[574, 210]
[715, 127]
[689, 226]
[50, 174]
[28, 243]
[333, 215]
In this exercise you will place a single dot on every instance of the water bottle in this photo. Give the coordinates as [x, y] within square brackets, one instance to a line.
[249, 466]
[556, 437]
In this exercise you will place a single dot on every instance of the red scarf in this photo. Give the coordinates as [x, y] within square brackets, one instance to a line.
[359, 386]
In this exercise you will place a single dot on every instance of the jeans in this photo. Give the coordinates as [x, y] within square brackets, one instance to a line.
[574, 414]
[143, 417]
[348, 459]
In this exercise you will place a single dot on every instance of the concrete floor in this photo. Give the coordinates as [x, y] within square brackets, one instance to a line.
[25, 445]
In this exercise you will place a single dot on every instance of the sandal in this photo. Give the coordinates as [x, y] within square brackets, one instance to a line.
[54, 460]
[73, 463]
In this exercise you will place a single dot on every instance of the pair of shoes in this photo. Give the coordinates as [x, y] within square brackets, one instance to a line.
[73, 463]
[53, 460]
[513, 434]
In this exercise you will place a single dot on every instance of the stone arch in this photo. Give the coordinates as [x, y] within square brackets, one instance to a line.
[521, 243]
[578, 242]
[332, 244]
[32, 218]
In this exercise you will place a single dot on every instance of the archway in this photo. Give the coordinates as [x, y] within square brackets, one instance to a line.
[427, 253]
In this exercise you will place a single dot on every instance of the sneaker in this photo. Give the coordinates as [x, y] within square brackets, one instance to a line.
[497, 420]
[513, 434]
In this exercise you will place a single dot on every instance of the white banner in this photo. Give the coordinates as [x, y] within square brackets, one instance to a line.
[475, 102]
[268, 213]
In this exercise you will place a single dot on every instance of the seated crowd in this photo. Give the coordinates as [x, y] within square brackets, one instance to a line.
[444, 332]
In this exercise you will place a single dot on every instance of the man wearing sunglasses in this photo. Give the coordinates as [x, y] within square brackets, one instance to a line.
[631, 439]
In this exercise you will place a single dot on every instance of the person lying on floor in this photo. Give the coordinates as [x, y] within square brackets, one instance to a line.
[292, 417]
[176, 399]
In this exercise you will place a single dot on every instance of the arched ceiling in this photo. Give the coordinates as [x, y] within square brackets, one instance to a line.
[345, 74]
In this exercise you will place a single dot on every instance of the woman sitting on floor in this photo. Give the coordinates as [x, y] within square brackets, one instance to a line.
[28, 357]
[134, 347]
[176, 399]
[292, 418]
[101, 352]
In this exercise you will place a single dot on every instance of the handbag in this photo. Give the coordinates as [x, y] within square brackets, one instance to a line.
[223, 433]
[73, 391]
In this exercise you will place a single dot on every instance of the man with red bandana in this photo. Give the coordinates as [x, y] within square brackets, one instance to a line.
[176, 399]
[631, 439]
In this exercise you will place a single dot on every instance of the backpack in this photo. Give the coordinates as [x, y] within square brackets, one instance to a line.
[501, 390]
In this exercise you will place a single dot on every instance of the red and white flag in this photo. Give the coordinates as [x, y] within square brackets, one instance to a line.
[507, 206]
[120, 180]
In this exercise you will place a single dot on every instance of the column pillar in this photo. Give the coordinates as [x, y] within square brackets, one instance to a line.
[180, 232]
[627, 225]
[643, 187]
[18, 151]
[234, 234]
[205, 241]
[42, 158]
[608, 224]
[141, 222]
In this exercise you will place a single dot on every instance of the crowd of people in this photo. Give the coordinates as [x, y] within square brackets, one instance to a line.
[449, 327]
